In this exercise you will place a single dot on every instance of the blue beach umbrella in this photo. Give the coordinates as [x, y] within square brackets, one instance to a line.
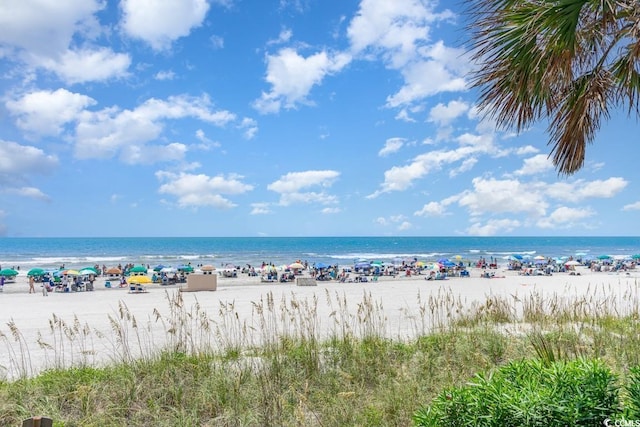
[321, 265]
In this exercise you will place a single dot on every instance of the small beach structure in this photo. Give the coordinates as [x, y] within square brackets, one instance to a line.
[204, 281]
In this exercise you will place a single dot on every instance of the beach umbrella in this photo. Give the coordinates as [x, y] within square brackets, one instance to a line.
[8, 272]
[138, 269]
[113, 270]
[185, 268]
[139, 280]
[88, 272]
[36, 272]
[602, 257]
[296, 266]
[539, 258]
[159, 267]
[636, 256]
[572, 263]
[70, 272]
[362, 265]
[207, 268]
[321, 265]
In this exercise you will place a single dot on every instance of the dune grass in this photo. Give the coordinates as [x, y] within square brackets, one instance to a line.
[283, 369]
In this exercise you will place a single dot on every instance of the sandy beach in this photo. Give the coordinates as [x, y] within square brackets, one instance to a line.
[399, 302]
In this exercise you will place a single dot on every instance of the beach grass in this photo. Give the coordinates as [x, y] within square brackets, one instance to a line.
[287, 367]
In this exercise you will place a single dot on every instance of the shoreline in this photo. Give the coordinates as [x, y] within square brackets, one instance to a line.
[398, 302]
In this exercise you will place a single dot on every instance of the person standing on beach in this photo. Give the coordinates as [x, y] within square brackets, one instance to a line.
[32, 281]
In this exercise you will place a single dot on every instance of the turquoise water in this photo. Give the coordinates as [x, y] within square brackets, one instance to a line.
[80, 252]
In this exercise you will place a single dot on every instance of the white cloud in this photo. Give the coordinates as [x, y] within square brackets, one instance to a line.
[18, 163]
[149, 154]
[493, 227]
[632, 207]
[579, 190]
[260, 209]
[165, 75]
[535, 165]
[284, 36]
[160, 22]
[443, 114]
[394, 29]
[392, 145]
[46, 112]
[86, 65]
[331, 211]
[400, 178]
[47, 27]
[292, 77]
[290, 187]
[194, 191]
[405, 225]
[565, 217]
[503, 196]
[439, 71]
[432, 209]
[296, 181]
[105, 133]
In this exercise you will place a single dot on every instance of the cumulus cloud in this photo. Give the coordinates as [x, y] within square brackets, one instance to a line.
[432, 209]
[443, 114]
[565, 217]
[395, 30]
[160, 22]
[105, 133]
[260, 209]
[193, 191]
[47, 27]
[493, 227]
[291, 186]
[18, 163]
[292, 76]
[87, 65]
[535, 165]
[502, 196]
[46, 112]
[400, 178]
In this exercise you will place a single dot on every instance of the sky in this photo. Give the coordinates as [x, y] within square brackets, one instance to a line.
[277, 118]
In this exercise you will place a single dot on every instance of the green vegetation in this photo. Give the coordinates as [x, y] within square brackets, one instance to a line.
[570, 64]
[214, 371]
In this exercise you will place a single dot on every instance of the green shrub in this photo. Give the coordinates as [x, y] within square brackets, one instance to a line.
[529, 393]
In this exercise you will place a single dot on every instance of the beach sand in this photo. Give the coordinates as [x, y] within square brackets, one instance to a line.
[399, 306]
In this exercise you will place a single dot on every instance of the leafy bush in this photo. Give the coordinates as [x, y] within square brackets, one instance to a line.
[529, 393]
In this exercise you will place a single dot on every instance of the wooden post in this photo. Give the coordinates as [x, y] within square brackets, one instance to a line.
[38, 422]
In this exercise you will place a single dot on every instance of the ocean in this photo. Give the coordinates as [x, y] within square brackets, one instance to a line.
[27, 253]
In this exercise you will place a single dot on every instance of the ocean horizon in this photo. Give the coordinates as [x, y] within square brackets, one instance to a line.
[29, 252]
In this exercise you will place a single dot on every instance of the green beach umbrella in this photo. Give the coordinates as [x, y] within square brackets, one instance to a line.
[36, 272]
[138, 269]
[604, 257]
[8, 272]
[85, 270]
[636, 256]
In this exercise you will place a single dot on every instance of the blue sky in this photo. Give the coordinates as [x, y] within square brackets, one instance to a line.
[275, 118]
